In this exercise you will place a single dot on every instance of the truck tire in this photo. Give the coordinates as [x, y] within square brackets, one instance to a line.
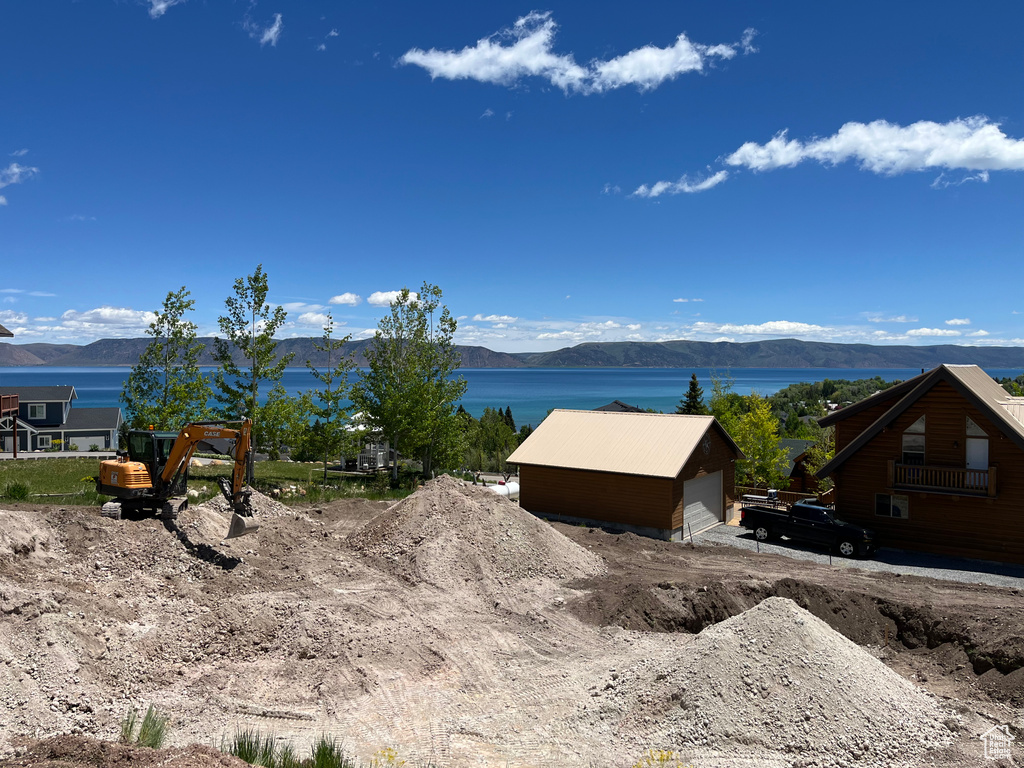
[846, 548]
[763, 533]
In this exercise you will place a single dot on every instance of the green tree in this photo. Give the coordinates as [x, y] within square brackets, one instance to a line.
[726, 406]
[820, 454]
[408, 389]
[757, 435]
[693, 403]
[328, 401]
[249, 327]
[165, 388]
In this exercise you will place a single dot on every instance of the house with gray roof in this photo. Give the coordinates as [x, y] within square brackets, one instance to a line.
[46, 420]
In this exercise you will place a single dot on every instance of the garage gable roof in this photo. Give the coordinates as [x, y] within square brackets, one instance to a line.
[651, 444]
[976, 386]
[5, 333]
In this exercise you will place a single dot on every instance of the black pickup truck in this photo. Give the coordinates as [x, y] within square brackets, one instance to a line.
[809, 522]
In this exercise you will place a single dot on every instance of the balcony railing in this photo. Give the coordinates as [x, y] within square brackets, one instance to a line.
[959, 480]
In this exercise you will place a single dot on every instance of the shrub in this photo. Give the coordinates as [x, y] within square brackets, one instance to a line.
[327, 753]
[93, 448]
[16, 491]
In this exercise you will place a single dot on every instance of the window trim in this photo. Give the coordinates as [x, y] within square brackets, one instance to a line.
[41, 446]
[32, 406]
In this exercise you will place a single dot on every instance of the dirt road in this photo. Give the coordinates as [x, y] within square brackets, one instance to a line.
[456, 628]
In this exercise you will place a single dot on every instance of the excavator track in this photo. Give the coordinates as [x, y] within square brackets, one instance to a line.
[173, 507]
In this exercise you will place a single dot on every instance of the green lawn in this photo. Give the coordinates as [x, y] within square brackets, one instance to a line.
[72, 481]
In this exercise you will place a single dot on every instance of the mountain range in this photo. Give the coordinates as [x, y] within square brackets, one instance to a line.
[775, 353]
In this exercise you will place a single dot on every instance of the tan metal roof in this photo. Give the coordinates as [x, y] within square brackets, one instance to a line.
[652, 444]
[992, 394]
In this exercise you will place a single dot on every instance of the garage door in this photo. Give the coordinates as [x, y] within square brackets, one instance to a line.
[702, 500]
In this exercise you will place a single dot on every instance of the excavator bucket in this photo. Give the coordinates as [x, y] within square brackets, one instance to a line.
[241, 526]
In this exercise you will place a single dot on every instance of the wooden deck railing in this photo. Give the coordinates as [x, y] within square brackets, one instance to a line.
[971, 482]
[8, 404]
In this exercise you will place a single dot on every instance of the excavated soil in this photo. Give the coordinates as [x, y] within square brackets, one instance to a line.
[458, 629]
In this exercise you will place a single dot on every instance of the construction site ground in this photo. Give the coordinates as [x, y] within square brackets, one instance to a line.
[459, 630]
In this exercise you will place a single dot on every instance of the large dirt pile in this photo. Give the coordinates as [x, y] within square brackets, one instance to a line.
[454, 535]
[83, 752]
[777, 678]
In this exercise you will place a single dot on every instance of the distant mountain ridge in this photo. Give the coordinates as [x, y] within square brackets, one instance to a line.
[775, 353]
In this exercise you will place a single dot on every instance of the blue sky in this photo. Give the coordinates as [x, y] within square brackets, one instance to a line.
[565, 173]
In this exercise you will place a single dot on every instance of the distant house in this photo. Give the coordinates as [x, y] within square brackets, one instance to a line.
[659, 475]
[45, 415]
[617, 406]
[936, 464]
[800, 479]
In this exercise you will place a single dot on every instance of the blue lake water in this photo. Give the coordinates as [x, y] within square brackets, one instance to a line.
[529, 392]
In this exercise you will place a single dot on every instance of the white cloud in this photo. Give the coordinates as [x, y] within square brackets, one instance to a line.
[19, 153]
[611, 189]
[978, 332]
[321, 47]
[747, 41]
[932, 332]
[333, 33]
[313, 319]
[684, 185]
[959, 321]
[878, 318]
[941, 182]
[15, 174]
[494, 318]
[10, 317]
[158, 8]
[301, 306]
[487, 113]
[771, 328]
[348, 299]
[684, 301]
[107, 320]
[525, 50]
[81, 217]
[265, 35]
[970, 144]
[385, 298]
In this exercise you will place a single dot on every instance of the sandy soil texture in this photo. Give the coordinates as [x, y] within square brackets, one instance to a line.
[454, 627]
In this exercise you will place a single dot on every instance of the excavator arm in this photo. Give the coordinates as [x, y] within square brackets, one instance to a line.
[234, 491]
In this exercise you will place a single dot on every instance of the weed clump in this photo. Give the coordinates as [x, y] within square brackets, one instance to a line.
[16, 491]
[151, 731]
[268, 751]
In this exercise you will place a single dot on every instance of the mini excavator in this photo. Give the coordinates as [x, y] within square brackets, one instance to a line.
[151, 477]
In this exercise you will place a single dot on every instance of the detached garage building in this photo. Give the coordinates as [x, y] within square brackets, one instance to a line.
[659, 475]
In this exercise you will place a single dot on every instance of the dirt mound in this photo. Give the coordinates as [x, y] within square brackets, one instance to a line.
[83, 752]
[449, 533]
[777, 678]
[262, 505]
[21, 536]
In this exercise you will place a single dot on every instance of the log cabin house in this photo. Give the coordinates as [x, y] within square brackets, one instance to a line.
[935, 463]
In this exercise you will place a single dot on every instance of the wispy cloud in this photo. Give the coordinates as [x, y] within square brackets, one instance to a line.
[107, 319]
[487, 113]
[932, 332]
[158, 8]
[80, 217]
[684, 301]
[874, 317]
[494, 318]
[347, 299]
[971, 144]
[19, 153]
[268, 34]
[684, 185]
[14, 173]
[959, 321]
[526, 50]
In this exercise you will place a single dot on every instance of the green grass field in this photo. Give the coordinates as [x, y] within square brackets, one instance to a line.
[71, 481]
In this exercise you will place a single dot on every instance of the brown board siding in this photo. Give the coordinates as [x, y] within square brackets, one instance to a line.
[615, 498]
[969, 526]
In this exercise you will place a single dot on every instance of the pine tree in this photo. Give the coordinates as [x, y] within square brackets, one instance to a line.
[693, 402]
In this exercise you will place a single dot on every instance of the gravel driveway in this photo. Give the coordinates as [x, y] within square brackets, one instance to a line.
[885, 559]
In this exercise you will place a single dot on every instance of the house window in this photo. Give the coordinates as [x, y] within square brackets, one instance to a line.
[891, 505]
[913, 443]
[45, 442]
[973, 430]
[37, 410]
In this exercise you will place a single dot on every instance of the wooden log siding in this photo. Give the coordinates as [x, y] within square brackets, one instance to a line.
[990, 528]
[614, 498]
